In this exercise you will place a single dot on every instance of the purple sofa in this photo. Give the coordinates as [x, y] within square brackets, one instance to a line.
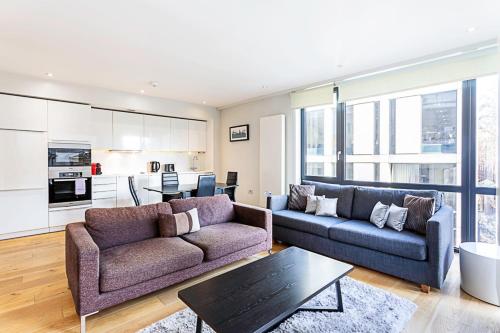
[118, 254]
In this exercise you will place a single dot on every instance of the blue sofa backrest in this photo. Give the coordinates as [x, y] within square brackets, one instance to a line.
[345, 194]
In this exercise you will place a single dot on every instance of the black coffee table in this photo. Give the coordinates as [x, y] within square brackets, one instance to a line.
[257, 297]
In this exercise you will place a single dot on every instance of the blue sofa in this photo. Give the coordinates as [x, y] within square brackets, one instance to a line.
[423, 259]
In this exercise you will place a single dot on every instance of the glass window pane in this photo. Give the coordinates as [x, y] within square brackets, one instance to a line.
[486, 218]
[321, 141]
[453, 200]
[486, 130]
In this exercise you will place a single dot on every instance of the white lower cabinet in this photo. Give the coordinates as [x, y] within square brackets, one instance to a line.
[154, 181]
[103, 192]
[59, 217]
[104, 203]
[23, 211]
[123, 196]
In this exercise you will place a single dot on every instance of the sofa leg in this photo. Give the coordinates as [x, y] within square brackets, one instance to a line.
[425, 288]
[269, 251]
[83, 322]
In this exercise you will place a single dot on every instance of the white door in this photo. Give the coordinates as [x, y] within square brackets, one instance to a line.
[179, 135]
[128, 130]
[197, 135]
[157, 133]
[102, 129]
[22, 113]
[272, 156]
[69, 121]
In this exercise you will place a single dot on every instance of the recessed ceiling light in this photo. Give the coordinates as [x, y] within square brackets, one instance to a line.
[340, 66]
[49, 74]
[204, 102]
[471, 29]
[153, 84]
[142, 91]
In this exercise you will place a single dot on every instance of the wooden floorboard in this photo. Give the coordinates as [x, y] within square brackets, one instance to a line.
[34, 296]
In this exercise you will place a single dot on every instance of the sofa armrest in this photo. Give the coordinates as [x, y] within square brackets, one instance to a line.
[256, 217]
[439, 234]
[277, 202]
[82, 268]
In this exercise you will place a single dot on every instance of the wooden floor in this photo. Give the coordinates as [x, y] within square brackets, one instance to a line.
[34, 296]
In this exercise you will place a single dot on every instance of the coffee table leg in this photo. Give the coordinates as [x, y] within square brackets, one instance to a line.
[339, 308]
[340, 305]
[199, 324]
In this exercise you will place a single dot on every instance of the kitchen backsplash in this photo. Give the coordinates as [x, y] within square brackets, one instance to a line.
[114, 162]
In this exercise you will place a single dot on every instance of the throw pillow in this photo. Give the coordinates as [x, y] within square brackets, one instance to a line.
[397, 217]
[312, 201]
[172, 225]
[420, 210]
[379, 215]
[326, 207]
[298, 196]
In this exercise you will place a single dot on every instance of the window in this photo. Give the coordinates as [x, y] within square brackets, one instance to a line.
[321, 141]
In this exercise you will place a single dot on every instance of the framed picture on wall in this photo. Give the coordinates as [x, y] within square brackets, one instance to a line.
[239, 133]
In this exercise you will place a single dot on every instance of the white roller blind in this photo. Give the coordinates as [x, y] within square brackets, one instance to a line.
[312, 97]
[453, 69]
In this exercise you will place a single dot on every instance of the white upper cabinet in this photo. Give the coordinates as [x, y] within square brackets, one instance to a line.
[128, 131]
[197, 135]
[179, 136]
[156, 133]
[22, 113]
[69, 121]
[102, 129]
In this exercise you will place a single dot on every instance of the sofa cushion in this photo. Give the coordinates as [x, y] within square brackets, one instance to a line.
[345, 194]
[362, 233]
[211, 210]
[219, 240]
[365, 198]
[111, 227]
[133, 263]
[317, 225]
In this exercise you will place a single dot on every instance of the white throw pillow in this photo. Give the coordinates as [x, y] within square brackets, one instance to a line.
[379, 215]
[312, 201]
[196, 220]
[397, 217]
[326, 207]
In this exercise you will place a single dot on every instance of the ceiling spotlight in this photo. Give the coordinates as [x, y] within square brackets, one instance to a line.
[142, 91]
[340, 66]
[204, 102]
[49, 74]
[471, 29]
[153, 84]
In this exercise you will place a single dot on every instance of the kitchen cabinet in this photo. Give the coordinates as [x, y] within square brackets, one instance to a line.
[123, 195]
[23, 113]
[60, 217]
[69, 121]
[23, 211]
[102, 129]
[156, 133]
[154, 197]
[128, 130]
[179, 137]
[197, 140]
[103, 192]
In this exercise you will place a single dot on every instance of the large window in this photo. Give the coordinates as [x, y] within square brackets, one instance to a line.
[443, 137]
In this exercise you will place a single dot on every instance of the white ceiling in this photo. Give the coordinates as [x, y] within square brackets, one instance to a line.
[226, 51]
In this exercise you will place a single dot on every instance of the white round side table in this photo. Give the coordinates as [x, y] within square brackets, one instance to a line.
[480, 271]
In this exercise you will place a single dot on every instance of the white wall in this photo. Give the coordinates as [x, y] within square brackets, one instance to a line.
[243, 156]
[48, 88]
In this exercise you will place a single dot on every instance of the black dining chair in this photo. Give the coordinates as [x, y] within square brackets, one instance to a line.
[133, 191]
[206, 186]
[232, 179]
[170, 179]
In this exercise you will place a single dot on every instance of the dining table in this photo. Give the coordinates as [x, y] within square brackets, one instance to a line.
[184, 189]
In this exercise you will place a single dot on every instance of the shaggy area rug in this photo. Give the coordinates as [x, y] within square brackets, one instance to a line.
[366, 309]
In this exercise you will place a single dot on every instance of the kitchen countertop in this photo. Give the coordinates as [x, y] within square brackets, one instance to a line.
[187, 172]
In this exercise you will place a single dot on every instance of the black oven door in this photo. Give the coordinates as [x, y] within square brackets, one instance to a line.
[64, 157]
[65, 192]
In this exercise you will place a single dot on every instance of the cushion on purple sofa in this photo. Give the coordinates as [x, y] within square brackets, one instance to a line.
[222, 239]
[211, 210]
[110, 227]
[133, 263]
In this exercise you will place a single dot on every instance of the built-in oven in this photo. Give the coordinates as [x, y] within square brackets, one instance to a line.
[70, 187]
[69, 154]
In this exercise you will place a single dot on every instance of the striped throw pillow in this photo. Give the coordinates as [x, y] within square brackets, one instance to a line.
[172, 225]
[419, 211]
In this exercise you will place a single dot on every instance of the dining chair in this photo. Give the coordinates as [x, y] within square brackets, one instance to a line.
[232, 179]
[170, 179]
[206, 186]
[133, 191]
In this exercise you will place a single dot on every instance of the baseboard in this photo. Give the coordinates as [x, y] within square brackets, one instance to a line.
[25, 233]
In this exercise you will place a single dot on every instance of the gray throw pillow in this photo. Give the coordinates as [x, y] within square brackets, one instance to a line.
[420, 210]
[298, 196]
[397, 217]
[379, 215]
[326, 207]
[312, 201]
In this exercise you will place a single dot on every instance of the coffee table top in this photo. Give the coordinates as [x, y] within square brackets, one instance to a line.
[255, 297]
